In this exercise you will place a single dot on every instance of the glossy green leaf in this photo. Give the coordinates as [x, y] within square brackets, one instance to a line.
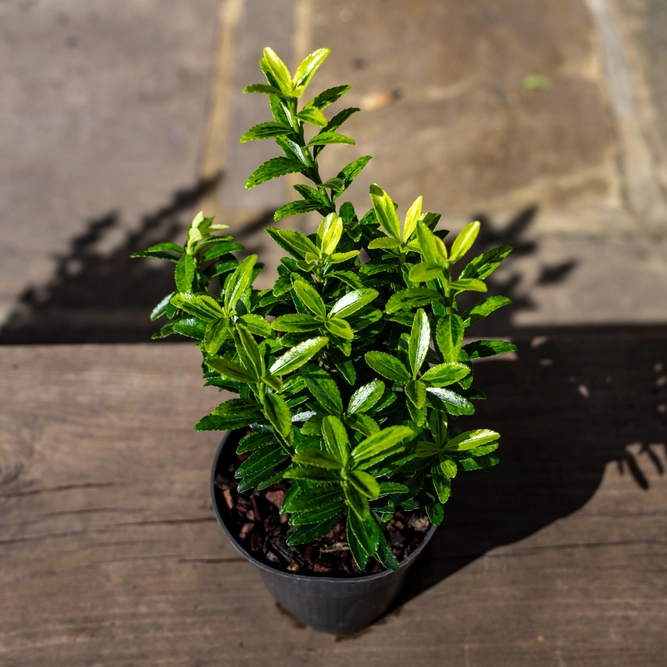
[483, 450]
[365, 483]
[313, 474]
[238, 282]
[253, 441]
[328, 96]
[340, 257]
[266, 458]
[479, 463]
[310, 298]
[449, 401]
[429, 247]
[257, 325]
[471, 439]
[356, 501]
[265, 131]
[323, 388]
[352, 170]
[388, 366]
[391, 488]
[262, 88]
[385, 211]
[488, 348]
[231, 369]
[366, 531]
[422, 273]
[335, 439]
[435, 513]
[295, 243]
[307, 498]
[416, 393]
[449, 336]
[468, 285]
[278, 414]
[411, 298]
[362, 423]
[202, 306]
[380, 445]
[352, 302]
[278, 69]
[442, 484]
[339, 327]
[326, 138]
[313, 116]
[316, 458]
[365, 397]
[307, 534]
[386, 556]
[444, 374]
[328, 233]
[273, 168]
[296, 208]
[185, 273]
[411, 219]
[213, 251]
[295, 322]
[307, 68]
[358, 552]
[485, 264]
[420, 339]
[298, 356]
[463, 242]
[426, 449]
[249, 350]
[190, 327]
[484, 308]
[318, 513]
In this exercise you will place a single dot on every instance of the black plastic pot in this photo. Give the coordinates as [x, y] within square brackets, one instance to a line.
[335, 605]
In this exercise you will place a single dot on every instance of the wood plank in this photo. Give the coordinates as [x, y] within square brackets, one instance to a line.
[109, 554]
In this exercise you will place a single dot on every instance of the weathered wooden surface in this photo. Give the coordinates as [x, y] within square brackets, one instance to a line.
[109, 553]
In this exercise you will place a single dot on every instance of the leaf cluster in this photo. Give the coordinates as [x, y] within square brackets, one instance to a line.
[352, 370]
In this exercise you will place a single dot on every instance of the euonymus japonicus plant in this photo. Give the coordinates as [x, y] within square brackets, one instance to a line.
[351, 371]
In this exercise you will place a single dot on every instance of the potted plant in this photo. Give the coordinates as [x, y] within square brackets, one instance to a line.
[350, 372]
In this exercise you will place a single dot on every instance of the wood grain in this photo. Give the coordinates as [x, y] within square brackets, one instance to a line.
[110, 555]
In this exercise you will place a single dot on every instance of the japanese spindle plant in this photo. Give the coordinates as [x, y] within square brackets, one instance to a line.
[351, 370]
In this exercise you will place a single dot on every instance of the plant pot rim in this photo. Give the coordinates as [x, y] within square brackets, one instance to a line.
[293, 575]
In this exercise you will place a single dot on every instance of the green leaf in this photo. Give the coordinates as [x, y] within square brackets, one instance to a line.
[266, 458]
[273, 168]
[298, 356]
[435, 513]
[307, 68]
[278, 414]
[323, 388]
[380, 445]
[424, 272]
[335, 439]
[340, 257]
[365, 483]
[388, 366]
[327, 97]
[276, 384]
[328, 233]
[296, 208]
[485, 264]
[249, 350]
[386, 556]
[357, 502]
[352, 302]
[162, 307]
[306, 499]
[484, 308]
[471, 439]
[295, 322]
[463, 242]
[384, 242]
[200, 305]
[185, 273]
[257, 325]
[238, 282]
[235, 416]
[488, 348]
[295, 243]
[317, 458]
[340, 328]
[366, 532]
[352, 170]
[359, 554]
[385, 211]
[449, 336]
[253, 441]
[262, 88]
[278, 70]
[310, 298]
[230, 369]
[154, 254]
[317, 514]
[416, 393]
[448, 466]
[167, 246]
[420, 340]
[216, 333]
[426, 449]
[190, 327]
[308, 534]
[483, 450]
[432, 251]
[362, 423]
[442, 484]
[311, 194]
[444, 374]
[479, 463]
[313, 474]
[391, 488]
[326, 138]
[339, 119]
[265, 131]
[411, 219]
[343, 365]
[365, 397]
[448, 401]
[411, 298]
[219, 249]
[313, 116]
[468, 285]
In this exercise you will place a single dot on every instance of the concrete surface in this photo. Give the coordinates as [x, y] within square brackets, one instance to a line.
[117, 109]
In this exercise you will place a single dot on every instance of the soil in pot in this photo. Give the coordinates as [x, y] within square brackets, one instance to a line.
[257, 525]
